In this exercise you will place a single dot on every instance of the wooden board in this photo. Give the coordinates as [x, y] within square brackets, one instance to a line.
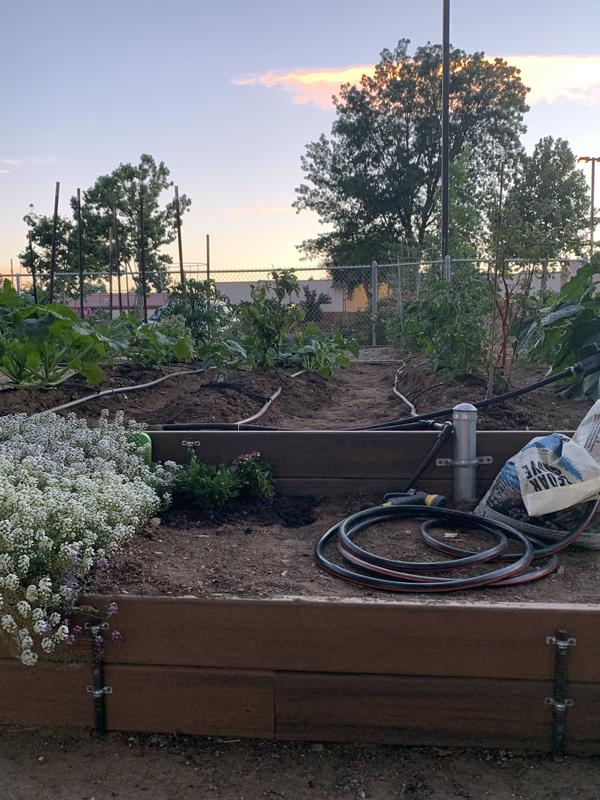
[383, 455]
[47, 695]
[413, 711]
[195, 701]
[403, 638]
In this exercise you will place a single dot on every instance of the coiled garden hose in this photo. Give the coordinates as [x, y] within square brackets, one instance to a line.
[533, 560]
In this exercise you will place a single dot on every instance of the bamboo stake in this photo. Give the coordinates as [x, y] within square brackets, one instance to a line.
[53, 252]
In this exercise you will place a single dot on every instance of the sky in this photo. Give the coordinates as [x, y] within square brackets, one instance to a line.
[228, 94]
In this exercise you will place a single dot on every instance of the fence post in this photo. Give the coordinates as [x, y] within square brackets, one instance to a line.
[374, 303]
[399, 299]
[447, 269]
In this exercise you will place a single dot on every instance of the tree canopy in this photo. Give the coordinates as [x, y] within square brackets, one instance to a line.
[375, 180]
[121, 190]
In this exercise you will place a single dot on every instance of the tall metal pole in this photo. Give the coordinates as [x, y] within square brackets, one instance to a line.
[111, 301]
[445, 127]
[117, 257]
[592, 207]
[179, 244]
[32, 265]
[143, 257]
[53, 252]
[80, 253]
[207, 257]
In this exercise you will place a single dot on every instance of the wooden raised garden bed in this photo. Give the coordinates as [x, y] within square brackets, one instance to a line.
[421, 671]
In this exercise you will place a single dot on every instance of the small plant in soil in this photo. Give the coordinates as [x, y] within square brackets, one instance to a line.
[208, 486]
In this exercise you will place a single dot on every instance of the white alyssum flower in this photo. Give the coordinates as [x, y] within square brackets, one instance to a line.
[69, 496]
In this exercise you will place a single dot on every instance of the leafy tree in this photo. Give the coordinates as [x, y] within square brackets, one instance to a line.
[122, 188]
[547, 207]
[375, 180]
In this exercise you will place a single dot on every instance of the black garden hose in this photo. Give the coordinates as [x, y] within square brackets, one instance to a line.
[532, 561]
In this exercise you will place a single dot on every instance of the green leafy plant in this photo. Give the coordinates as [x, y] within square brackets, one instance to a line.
[318, 352]
[206, 311]
[209, 486]
[569, 327]
[143, 344]
[223, 356]
[449, 322]
[43, 345]
[254, 476]
[268, 317]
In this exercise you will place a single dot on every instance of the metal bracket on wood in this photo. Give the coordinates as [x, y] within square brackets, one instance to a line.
[560, 702]
[98, 689]
[190, 443]
[475, 462]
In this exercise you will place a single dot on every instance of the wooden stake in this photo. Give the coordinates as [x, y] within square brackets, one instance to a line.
[53, 253]
[179, 244]
[80, 253]
[143, 257]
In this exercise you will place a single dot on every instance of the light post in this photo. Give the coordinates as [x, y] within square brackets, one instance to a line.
[591, 160]
[445, 127]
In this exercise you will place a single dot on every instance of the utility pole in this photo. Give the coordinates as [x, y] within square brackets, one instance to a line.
[445, 127]
[591, 160]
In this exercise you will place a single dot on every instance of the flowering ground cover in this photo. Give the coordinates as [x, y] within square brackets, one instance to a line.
[69, 496]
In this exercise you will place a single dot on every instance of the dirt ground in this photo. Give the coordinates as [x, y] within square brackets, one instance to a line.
[267, 551]
[42, 765]
[360, 395]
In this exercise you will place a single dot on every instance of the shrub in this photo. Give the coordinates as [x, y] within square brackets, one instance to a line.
[206, 311]
[69, 496]
[449, 321]
[208, 486]
[254, 476]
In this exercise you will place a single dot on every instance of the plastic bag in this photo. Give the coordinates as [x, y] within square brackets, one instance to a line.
[541, 489]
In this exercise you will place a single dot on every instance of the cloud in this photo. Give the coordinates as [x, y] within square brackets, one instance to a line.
[28, 161]
[575, 79]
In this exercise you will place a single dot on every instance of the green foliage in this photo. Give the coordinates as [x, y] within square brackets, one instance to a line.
[224, 356]
[316, 351]
[254, 476]
[43, 345]
[313, 300]
[546, 214]
[206, 311]
[143, 344]
[268, 317]
[569, 326]
[176, 329]
[208, 486]
[375, 180]
[449, 321]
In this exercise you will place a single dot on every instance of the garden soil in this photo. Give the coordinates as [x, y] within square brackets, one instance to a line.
[360, 395]
[50, 765]
[266, 550]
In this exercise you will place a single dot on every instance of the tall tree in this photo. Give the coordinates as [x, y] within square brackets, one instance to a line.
[375, 180]
[122, 189]
[547, 207]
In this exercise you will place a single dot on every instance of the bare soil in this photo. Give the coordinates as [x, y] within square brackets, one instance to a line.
[267, 551]
[50, 765]
[360, 395]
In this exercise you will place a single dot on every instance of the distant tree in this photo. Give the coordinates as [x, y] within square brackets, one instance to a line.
[546, 214]
[122, 188]
[375, 180]
[313, 300]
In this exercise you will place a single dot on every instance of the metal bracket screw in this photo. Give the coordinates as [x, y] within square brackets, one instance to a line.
[99, 692]
[190, 443]
[96, 627]
[561, 644]
[559, 706]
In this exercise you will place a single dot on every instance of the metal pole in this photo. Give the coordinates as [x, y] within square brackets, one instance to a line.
[143, 258]
[179, 244]
[492, 364]
[117, 258]
[80, 253]
[207, 257]
[374, 303]
[53, 252]
[592, 207]
[445, 127]
[464, 419]
[32, 264]
[110, 273]
[12, 274]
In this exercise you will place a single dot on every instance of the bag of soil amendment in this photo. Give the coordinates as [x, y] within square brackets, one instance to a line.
[543, 488]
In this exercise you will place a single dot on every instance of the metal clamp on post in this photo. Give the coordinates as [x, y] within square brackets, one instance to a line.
[466, 460]
[98, 690]
[560, 702]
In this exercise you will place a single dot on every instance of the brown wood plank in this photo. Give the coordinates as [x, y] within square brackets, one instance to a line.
[386, 637]
[46, 695]
[195, 701]
[583, 718]
[328, 487]
[323, 454]
[413, 711]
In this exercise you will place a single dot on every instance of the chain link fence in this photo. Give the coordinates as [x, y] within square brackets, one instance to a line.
[359, 301]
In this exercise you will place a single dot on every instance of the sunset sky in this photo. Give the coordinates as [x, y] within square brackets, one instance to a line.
[228, 94]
